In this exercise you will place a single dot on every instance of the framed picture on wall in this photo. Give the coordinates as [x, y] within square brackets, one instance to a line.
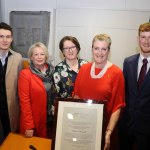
[78, 124]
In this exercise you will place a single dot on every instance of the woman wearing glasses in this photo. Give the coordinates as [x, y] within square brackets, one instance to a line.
[105, 82]
[66, 71]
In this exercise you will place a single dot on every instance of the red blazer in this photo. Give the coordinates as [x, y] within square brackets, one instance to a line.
[33, 103]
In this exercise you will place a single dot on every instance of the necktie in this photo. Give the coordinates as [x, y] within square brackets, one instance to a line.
[142, 73]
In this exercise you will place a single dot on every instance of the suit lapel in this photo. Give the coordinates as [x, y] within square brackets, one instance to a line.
[9, 63]
[135, 69]
[146, 79]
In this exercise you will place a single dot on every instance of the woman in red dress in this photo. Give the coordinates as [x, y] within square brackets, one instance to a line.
[105, 82]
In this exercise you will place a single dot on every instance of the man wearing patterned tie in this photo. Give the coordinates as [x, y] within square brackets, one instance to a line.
[134, 124]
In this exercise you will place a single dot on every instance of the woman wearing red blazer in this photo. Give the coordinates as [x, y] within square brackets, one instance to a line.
[35, 88]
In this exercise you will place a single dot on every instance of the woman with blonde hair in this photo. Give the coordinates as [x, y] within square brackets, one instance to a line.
[105, 82]
[35, 89]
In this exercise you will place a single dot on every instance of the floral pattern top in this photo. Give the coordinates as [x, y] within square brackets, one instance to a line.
[64, 78]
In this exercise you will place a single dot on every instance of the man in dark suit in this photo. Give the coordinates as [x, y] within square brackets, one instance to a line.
[134, 124]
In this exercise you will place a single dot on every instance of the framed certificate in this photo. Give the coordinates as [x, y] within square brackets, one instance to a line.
[79, 124]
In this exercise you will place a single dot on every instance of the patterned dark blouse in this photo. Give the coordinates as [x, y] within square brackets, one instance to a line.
[64, 78]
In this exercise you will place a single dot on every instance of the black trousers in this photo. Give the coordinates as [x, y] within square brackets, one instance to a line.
[4, 117]
[131, 140]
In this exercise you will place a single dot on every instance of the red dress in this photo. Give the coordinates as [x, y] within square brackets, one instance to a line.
[110, 87]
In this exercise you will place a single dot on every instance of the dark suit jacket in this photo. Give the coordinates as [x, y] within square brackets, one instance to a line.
[136, 114]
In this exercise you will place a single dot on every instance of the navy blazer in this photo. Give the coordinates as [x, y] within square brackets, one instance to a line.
[136, 114]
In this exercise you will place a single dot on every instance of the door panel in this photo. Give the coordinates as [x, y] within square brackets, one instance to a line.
[29, 27]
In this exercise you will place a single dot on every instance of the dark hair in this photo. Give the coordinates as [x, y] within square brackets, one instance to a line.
[5, 26]
[144, 27]
[69, 38]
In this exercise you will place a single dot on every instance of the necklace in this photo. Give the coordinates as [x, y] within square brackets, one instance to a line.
[102, 72]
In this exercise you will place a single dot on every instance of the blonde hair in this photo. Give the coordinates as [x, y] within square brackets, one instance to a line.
[38, 44]
[102, 37]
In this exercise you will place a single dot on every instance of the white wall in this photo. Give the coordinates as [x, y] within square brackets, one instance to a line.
[33, 5]
[86, 18]
[0, 11]
[121, 25]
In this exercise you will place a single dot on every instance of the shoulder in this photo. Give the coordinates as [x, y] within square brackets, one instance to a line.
[116, 73]
[59, 67]
[82, 61]
[15, 54]
[86, 66]
[132, 58]
[25, 72]
[115, 70]
[60, 64]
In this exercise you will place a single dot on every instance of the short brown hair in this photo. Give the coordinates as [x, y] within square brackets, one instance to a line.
[69, 38]
[145, 27]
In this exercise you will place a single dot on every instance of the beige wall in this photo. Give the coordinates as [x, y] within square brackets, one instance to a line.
[121, 25]
[85, 18]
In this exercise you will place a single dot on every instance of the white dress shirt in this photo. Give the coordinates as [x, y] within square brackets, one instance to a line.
[3, 57]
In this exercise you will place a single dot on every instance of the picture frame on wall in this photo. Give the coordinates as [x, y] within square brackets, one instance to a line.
[78, 124]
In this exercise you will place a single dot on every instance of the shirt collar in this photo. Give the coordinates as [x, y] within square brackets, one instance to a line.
[142, 57]
[3, 57]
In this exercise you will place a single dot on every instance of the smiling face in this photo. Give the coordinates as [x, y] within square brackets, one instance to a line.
[70, 50]
[144, 43]
[5, 39]
[100, 52]
[38, 57]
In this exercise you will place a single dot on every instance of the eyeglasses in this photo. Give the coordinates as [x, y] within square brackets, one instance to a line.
[69, 48]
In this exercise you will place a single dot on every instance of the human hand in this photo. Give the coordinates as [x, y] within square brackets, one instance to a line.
[107, 139]
[29, 133]
[76, 97]
[53, 110]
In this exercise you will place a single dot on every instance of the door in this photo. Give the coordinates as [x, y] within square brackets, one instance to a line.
[29, 27]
